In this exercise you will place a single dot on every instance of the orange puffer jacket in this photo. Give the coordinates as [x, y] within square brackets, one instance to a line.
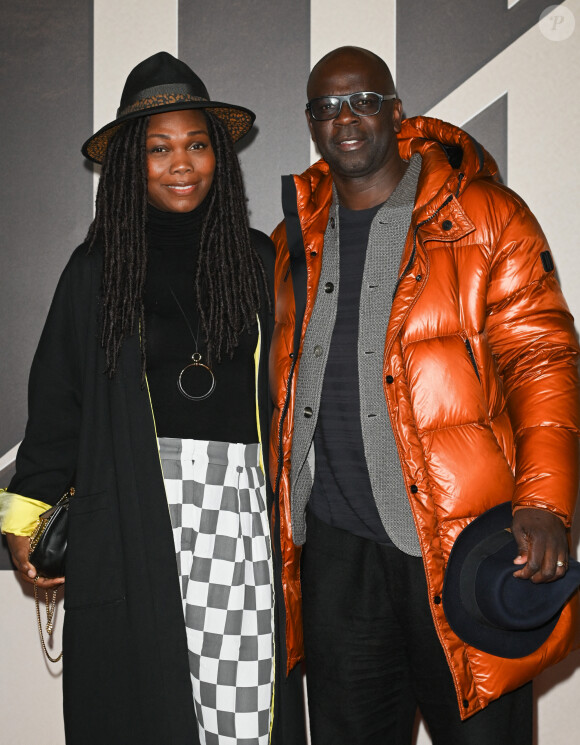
[480, 375]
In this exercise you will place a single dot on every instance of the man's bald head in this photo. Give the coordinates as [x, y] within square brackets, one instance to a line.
[343, 59]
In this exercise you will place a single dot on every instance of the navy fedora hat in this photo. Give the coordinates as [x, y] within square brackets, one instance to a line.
[164, 83]
[489, 608]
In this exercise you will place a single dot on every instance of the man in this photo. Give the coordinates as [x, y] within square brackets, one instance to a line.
[424, 364]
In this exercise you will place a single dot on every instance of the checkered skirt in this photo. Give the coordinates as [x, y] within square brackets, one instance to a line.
[216, 497]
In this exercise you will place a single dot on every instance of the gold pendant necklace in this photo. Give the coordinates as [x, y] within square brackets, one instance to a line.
[194, 374]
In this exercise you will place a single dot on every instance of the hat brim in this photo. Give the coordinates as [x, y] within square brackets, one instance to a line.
[237, 119]
[511, 644]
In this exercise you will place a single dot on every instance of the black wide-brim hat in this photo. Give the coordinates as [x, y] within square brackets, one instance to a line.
[489, 608]
[163, 83]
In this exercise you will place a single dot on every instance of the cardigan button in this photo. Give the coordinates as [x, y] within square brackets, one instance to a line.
[332, 222]
[414, 488]
[390, 379]
[318, 351]
[446, 224]
[437, 600]
[307, 412]
[328, 287]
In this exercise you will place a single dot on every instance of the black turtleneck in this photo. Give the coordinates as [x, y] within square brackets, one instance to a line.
[229, 414]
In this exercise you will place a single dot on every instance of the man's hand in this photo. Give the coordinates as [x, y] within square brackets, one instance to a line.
[19, 546]
[542, 543]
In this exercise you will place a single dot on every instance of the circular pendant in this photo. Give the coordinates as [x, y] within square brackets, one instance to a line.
[197, 378]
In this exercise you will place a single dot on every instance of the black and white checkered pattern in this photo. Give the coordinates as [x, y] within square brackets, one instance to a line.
[216, 497]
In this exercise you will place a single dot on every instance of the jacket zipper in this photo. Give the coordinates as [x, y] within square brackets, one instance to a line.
[257, 362]
[153, 418]
[471, 357]
[155, 428]
[413, 252]
[281, 427]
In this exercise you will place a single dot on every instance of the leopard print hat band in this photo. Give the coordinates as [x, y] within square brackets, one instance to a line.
[164, 83]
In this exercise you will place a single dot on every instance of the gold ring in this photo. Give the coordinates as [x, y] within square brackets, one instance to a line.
[560, 563]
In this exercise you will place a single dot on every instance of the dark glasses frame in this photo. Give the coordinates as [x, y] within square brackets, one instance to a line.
[347, 99]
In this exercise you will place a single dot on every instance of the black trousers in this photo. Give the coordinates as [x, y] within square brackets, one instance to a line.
[373, 656]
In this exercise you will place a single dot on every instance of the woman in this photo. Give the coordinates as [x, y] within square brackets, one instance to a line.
[143, 395]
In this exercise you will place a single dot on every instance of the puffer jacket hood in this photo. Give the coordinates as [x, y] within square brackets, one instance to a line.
[451, 160]
[480, 371]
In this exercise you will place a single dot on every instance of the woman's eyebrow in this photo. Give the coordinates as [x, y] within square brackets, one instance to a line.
[168, 137]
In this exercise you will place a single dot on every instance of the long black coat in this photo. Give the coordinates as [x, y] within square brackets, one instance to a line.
[126, 674]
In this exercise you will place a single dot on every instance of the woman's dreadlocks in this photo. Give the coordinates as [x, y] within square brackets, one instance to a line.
[229, 273]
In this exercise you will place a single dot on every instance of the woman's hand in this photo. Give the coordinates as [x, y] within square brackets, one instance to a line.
[19, 545]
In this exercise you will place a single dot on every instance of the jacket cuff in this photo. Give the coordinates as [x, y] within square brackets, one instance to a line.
[564, 518]
[18, 514]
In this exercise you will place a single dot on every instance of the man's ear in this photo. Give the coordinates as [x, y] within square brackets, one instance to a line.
[310, 125]
[397, 114]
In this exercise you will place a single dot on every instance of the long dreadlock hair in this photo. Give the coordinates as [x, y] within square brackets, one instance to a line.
[229, 275]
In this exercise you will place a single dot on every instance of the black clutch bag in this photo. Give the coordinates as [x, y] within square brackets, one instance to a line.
[48, 542]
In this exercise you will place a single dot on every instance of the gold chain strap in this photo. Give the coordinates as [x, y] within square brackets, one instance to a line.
[50, 609]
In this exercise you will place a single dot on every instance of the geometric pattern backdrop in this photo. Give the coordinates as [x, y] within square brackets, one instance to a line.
[490, 67]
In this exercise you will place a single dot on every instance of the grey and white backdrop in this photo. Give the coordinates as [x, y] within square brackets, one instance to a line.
[506, 70]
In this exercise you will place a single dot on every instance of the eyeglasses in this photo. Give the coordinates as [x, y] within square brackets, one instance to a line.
[364, 103]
